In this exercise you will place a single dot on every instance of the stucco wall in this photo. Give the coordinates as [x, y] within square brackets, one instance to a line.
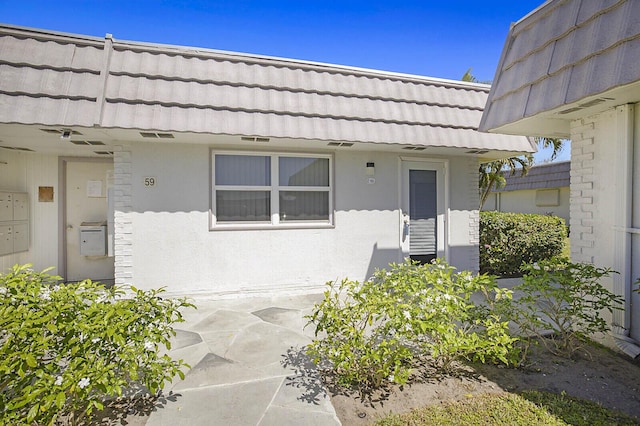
[170, 243]
[524, 201]
[25, 172]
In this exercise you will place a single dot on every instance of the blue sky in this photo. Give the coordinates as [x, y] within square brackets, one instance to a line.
[435, 38]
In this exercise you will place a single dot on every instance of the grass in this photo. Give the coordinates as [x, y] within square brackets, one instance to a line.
[527, 408]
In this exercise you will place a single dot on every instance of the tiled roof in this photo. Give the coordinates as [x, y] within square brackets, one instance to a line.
[65, 79]
[564, 52]
[552, 175]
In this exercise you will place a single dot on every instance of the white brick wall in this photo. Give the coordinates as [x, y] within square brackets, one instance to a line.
[582, 189]
[474, 212]
[123, 204]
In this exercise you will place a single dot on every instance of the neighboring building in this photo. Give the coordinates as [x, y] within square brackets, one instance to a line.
[223, 172]
[570, 69]
[543, 190]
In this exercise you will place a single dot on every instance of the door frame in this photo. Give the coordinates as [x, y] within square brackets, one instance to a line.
[62, 206]
[441, 166]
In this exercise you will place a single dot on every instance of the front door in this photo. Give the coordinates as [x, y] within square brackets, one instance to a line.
[423, 210]
[85, 202]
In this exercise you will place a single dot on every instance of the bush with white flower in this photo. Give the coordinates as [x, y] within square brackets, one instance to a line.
[66, 348]
[378, 330]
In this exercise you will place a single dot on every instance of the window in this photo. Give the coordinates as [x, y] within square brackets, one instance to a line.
[271, 189]
[547, 197]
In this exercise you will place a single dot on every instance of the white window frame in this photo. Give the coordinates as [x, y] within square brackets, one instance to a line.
[275, 189]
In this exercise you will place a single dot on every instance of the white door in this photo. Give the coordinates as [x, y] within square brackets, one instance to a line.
[423, 222]
[85, 201]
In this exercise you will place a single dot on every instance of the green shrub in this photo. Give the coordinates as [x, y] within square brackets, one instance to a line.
[565, 299]
[377, 330]
[507, 240]
[65, 348]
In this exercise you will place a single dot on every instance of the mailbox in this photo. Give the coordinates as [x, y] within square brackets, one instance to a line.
[93, 238]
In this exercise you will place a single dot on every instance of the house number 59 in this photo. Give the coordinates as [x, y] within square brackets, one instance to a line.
[149, 181]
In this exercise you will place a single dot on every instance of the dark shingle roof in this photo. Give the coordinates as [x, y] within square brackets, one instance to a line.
[552, 175]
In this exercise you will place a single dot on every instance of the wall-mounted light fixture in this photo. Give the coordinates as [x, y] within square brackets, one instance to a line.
[371, 169]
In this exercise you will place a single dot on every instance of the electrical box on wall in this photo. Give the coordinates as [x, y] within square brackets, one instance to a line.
[14, 222]
[93, 238]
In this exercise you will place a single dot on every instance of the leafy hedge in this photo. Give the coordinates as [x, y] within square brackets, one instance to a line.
[509, 239]
[66, 348]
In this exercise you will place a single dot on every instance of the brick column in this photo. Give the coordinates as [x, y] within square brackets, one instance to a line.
[582, 190]
[122, 194]
[473, 197]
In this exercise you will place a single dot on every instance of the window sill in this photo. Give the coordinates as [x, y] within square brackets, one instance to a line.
[269, 227]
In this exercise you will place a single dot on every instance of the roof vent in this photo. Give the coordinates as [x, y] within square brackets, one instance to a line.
[254, 139]
[156, 135]
[343, 144]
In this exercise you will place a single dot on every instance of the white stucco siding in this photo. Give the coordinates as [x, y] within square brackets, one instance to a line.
[524, 201]
[25, 173]
[172, 244]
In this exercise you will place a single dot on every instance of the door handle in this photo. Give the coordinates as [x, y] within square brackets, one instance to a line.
[405, 226]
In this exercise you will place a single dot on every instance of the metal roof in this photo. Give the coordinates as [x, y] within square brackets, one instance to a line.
[64, 79]
[566, 59]
[551, 175]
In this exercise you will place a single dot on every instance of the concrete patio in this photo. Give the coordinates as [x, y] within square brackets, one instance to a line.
[246, 366]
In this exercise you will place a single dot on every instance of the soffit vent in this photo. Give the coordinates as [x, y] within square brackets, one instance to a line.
[414, 148]
[103, 152]
[254, 139]
[154, 135]
[591, 103]
[478, 151]
[15, 148]
[570, 110]
[60, 131]
[342, 144]
[87, 142]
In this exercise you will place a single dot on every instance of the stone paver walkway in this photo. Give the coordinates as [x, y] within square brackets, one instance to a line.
[246, 366]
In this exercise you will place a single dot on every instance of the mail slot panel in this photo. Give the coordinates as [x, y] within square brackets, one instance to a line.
[14, 222]
[6, 206]
[6, 239]
[93, 239]
[20, 237]
[20, 206]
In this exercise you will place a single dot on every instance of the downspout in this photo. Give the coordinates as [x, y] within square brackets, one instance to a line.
[623, 228]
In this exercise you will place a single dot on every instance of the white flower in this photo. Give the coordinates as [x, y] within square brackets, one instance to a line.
[95, 340]
[407, 314]
[45, 294]
[58, 381]
[391, 377]
[84, 382]
[149, 346]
